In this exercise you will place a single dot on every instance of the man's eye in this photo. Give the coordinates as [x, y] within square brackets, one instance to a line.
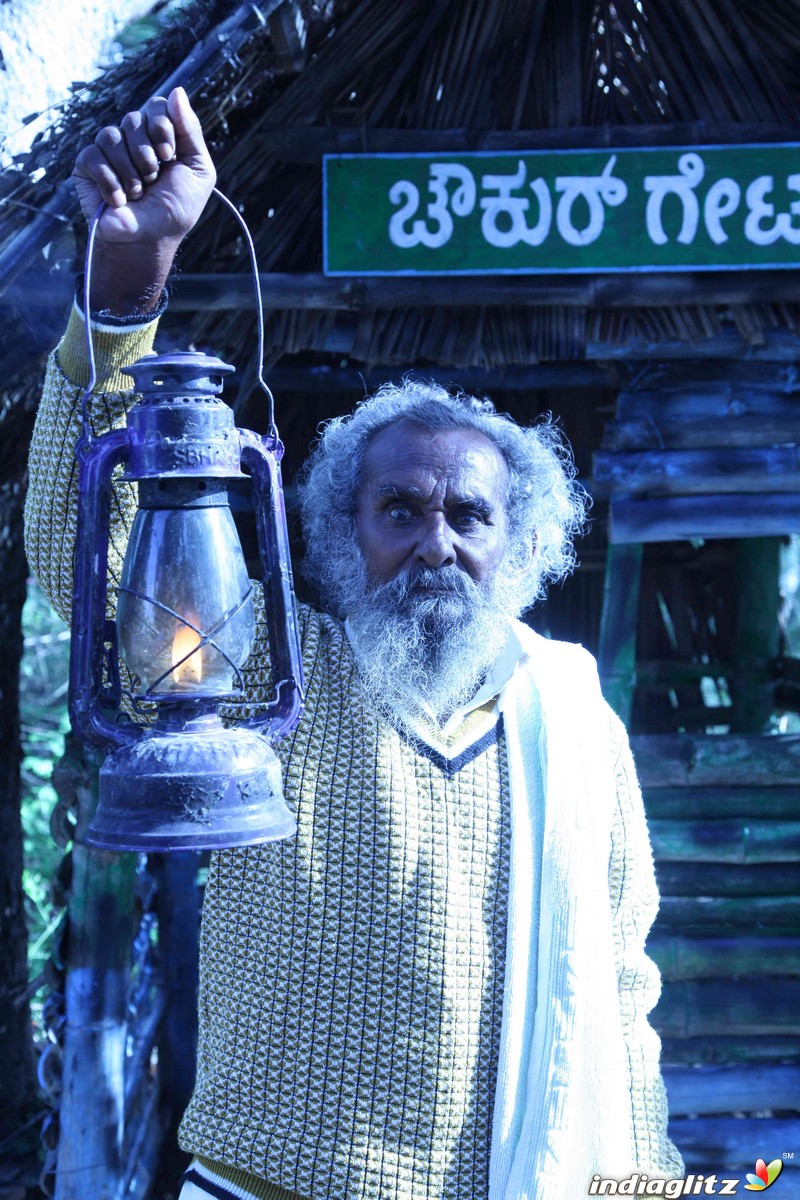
[400, 512]
[468, 517]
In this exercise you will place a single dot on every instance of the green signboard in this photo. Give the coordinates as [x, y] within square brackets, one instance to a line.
[700, 208]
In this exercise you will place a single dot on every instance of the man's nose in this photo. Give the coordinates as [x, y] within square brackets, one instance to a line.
[435, 546]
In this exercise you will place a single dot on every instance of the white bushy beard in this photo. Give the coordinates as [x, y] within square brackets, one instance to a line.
[424, 641]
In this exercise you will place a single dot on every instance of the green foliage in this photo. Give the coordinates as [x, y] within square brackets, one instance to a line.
[43, 711]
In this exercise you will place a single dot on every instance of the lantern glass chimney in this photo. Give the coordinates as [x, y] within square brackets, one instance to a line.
[185, 616]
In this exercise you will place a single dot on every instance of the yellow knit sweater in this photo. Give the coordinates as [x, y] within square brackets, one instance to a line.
[351, 979]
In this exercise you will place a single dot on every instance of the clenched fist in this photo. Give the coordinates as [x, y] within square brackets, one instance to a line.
[155, 174]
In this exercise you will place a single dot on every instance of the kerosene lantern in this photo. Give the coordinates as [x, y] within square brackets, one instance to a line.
[182, 779]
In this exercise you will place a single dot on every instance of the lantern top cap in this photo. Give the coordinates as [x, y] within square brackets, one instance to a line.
[189, 369]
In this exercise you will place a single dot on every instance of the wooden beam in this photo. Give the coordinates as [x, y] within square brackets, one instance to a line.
[704, 914]
[772, 346]
[713, 957]
[699, 472]
[536, 377]
[302, 143]
[758, 603]
[685, 518]
[718, 1144]
[775, 394]
[731, 1089]
[749, 1007]
[616, 658]
[640, 434]
[359, 293]
[100, 913]
[756, 800]
[703, 878]
[722, 1049]
[684, 760]
[735, 840]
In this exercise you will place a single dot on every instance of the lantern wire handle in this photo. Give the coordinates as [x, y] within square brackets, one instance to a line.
[262, 383]
[86, 433]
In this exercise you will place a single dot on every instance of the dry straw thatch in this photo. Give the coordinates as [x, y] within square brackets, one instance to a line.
[440, 64]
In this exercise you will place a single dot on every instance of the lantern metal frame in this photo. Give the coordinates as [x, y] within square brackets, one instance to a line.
[187, 781]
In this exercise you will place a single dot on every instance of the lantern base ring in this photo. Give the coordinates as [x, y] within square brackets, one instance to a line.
[190, 783]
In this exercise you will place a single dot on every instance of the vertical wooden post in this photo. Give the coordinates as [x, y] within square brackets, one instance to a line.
[178, 937]
[618, 622]
[100, 914]
[757, 603]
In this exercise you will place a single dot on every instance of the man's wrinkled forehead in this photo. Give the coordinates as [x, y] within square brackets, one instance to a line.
[408, 460]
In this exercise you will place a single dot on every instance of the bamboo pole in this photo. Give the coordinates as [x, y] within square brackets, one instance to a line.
[100, 913]
[758, 601]
[618, 624]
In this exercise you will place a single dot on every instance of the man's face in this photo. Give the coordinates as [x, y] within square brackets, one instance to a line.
[432, 499]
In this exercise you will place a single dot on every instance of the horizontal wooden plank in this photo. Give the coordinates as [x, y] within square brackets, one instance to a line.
[288, 376]
[709, 1144]
[684, 518]
[698, 472]
[686, 433]
[231, 292]
[721, 958]
[778, 395]
[709, 1090]
[665, 672]
[710, 802]
[666, 380]
[750, 1007]
[726, 1050]
[740, 913]
[734, 840]
[775, 346]
[303, 143]
[724, 879]
[687, 760]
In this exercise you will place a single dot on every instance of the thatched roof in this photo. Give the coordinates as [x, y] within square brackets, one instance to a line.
[433, 65]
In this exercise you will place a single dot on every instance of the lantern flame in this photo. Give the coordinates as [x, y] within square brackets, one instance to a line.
[190, 671]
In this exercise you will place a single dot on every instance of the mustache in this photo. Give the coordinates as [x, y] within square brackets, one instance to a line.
[430, 581]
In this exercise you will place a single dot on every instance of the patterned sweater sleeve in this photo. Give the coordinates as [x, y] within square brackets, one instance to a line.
[51, 504]
[634, 903]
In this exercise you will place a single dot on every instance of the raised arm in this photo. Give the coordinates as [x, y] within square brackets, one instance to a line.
[155, 173]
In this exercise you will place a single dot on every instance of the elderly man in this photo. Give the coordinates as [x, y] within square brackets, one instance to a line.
[438, 989]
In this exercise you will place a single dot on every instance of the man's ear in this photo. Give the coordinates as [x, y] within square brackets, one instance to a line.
[527, 553]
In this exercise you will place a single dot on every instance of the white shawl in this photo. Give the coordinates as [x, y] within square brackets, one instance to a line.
[562, 1106]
